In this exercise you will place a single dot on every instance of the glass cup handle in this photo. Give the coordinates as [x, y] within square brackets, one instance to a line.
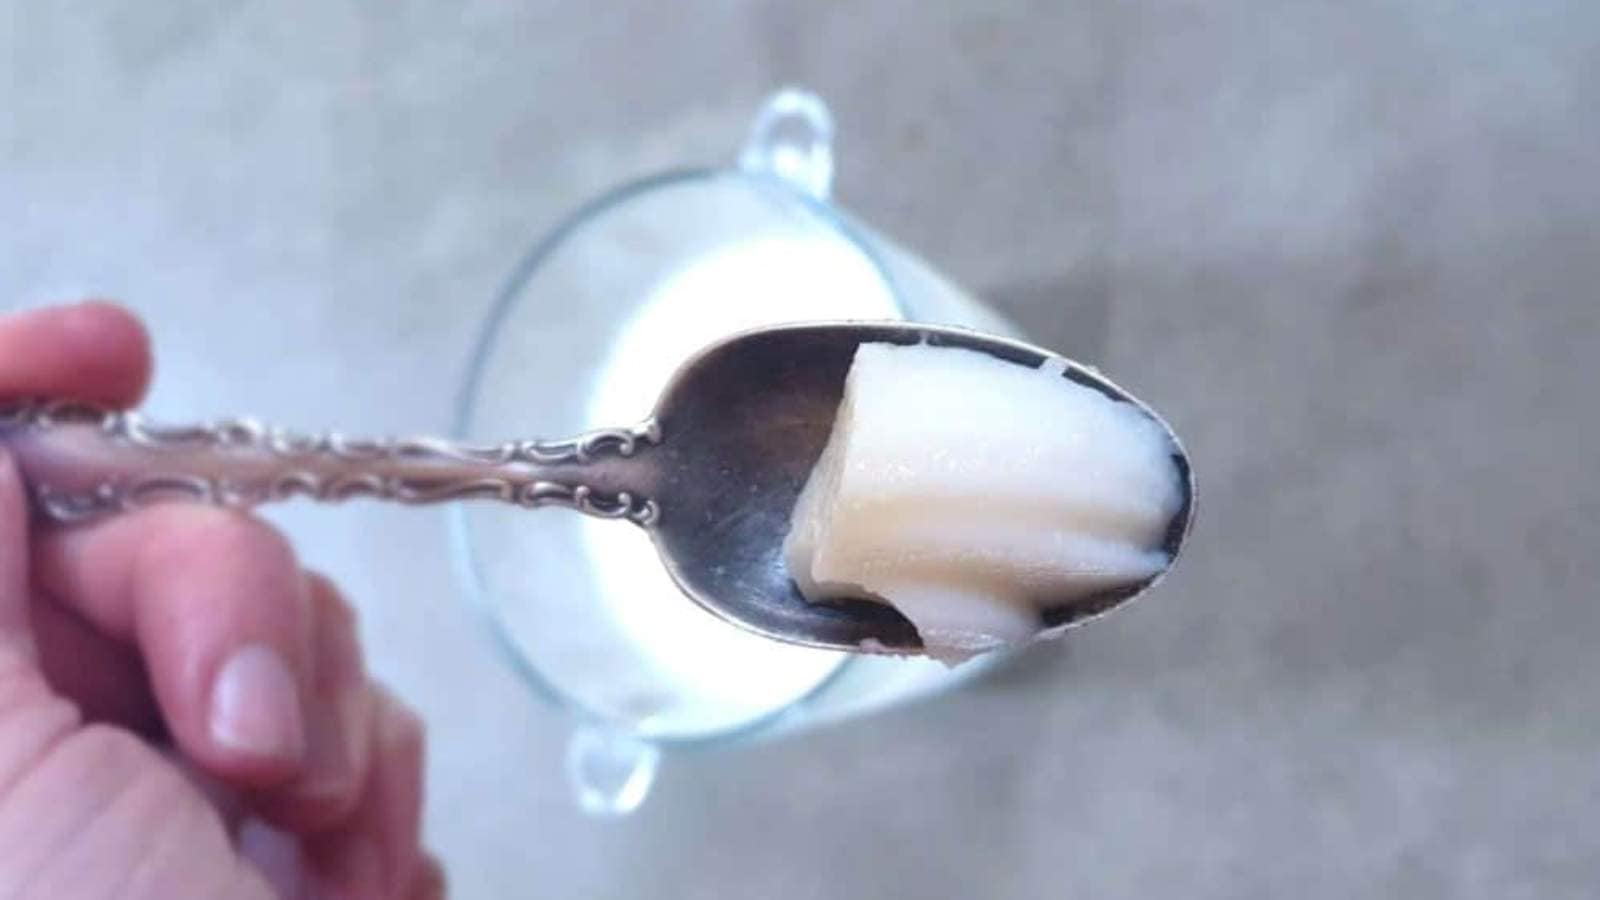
[610, 772]
[791, 138]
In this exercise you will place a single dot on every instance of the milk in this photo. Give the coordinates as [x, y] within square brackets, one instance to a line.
[708, 672]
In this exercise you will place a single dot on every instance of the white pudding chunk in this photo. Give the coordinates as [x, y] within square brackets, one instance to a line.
[968, 491]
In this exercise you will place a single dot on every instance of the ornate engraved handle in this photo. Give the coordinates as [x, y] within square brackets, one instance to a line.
[83, 462]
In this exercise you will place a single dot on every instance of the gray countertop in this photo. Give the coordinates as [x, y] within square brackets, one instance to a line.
[1350, 249]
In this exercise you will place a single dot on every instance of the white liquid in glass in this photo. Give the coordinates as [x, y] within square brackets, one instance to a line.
[708, 670]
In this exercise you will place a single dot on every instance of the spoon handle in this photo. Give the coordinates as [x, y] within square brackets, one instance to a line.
[83, 462]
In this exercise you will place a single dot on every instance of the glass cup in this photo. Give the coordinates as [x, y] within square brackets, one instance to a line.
[590, 327]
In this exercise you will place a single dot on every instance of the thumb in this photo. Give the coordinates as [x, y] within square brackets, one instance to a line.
[91, 351]
[16, 633]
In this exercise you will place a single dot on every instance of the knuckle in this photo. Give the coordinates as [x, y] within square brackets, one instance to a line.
[234, 532]
[203, 533]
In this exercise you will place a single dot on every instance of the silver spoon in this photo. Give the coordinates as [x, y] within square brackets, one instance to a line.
[713, 475]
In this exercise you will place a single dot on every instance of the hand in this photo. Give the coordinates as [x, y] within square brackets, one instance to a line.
[183, 710]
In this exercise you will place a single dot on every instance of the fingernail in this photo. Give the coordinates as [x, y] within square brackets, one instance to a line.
[255, 707]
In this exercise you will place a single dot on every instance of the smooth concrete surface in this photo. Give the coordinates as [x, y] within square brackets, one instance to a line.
[1351, 250]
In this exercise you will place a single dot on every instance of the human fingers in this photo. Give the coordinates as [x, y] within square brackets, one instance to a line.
[339, 712]
[377, 851]
[219, 611]
[90, 351]
[103, 677]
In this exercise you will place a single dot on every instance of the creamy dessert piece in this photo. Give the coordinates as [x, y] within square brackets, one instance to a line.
[969, 492]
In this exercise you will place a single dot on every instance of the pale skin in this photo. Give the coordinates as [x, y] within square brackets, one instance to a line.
[184, 710]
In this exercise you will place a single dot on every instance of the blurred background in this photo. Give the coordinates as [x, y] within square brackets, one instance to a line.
[1350, 249]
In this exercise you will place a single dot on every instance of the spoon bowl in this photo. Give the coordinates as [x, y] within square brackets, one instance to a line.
[742, 425]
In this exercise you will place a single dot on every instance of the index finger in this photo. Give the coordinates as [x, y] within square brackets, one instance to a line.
[92, 351]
